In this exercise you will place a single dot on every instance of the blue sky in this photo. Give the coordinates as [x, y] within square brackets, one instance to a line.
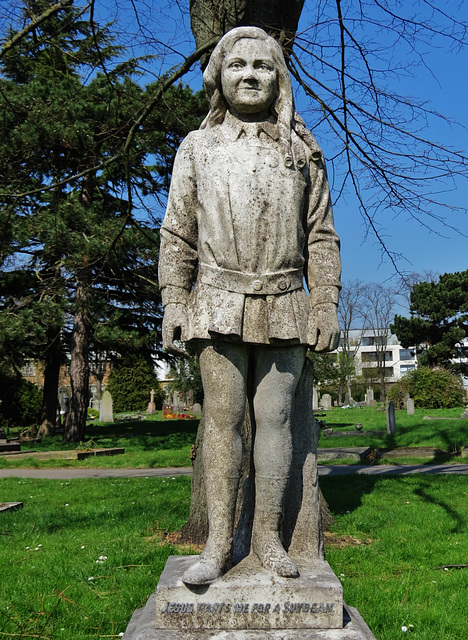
[445, 85]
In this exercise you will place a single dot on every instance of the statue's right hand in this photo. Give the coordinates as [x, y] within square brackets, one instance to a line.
[173, 327]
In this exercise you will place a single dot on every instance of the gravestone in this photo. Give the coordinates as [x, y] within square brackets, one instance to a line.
[410, 406]
[95, 404]
[369, 395]
[326, 401]
[391, 424]
[405, 400]
[373, 403]
[175, 402]
[106, 413]
[196, 409]
[151, 405]
[465, 413]
[315, 399]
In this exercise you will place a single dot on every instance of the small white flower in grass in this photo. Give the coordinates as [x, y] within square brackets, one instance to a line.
[91, 578]
[27, 548]
[82, 546]
[121, 634]
[404, 629]
[66, 504]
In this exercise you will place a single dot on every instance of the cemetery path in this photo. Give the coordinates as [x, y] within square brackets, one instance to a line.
[324, 470]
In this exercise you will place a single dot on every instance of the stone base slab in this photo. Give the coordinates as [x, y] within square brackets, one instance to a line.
[142, 626]
[250, 597]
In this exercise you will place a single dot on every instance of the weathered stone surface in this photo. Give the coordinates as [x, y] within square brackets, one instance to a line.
[348, 453]
[106, 411]
[142, 626]
[390, 413]
[410, 406]
[10, 506]
[250, 597]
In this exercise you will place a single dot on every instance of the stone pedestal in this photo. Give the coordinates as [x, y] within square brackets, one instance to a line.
[248, 603]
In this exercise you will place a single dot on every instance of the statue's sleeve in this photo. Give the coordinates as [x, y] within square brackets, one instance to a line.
[323, 263]
[179, 231]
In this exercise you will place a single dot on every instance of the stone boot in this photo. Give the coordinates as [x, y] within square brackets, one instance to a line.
[266, 543]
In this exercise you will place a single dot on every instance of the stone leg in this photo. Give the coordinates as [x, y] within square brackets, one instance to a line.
[277, 372]
[224, 369]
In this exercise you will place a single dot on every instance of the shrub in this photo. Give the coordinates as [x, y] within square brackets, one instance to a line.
[429, 388]
[130, 384]
[21, 401]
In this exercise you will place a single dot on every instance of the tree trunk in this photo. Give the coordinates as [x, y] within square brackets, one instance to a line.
[277, 17]
[52, 361]
[79, 367]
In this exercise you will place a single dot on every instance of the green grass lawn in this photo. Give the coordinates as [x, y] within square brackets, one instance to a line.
[148, 443]
[82, 555]
[153, 442]
[412, 430]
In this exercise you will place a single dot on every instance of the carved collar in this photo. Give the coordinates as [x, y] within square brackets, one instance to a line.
[233, 128]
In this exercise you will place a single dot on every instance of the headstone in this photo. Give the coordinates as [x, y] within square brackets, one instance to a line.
[167, 410]
[95, 404]
[315, 400]
[326, 401]
[106, 413]
[465, 413]
[369, 395]
[405, 400]
[391, 424]
[410, 406]
[347, 398]
[196, 409]
[176, 402]
[373, 403]
[151, 405]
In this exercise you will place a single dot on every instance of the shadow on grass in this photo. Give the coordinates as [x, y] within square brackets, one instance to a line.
[346, 497]
[460, 521]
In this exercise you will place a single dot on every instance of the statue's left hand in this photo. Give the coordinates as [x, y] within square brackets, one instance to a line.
[324, 330]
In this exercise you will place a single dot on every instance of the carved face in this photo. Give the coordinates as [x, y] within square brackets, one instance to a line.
[249, 78]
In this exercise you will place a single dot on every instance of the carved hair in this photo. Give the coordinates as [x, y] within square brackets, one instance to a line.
[282, 108]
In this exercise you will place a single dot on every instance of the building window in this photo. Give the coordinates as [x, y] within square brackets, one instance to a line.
[406, 354]
[28, 370]
[374, 356]
[405, 368]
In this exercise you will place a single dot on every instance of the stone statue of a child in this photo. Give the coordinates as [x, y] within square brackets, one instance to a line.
[248, 220]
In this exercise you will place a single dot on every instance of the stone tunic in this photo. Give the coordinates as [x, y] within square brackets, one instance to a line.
[243, 233]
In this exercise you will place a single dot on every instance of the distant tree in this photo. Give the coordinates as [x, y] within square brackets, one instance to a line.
[186, 378]
[379, 304]
[351, 316]
[87, 266]
[130, 384]
[438, 322]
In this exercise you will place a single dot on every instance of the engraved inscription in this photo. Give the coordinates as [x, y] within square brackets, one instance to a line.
[177, 607]
[255, 608]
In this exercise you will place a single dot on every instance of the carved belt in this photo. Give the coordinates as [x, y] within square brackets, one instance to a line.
[261, 284]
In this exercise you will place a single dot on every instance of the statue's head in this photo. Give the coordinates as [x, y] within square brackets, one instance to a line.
[248, 74]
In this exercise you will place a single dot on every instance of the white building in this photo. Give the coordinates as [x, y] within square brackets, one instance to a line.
[368, 346]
